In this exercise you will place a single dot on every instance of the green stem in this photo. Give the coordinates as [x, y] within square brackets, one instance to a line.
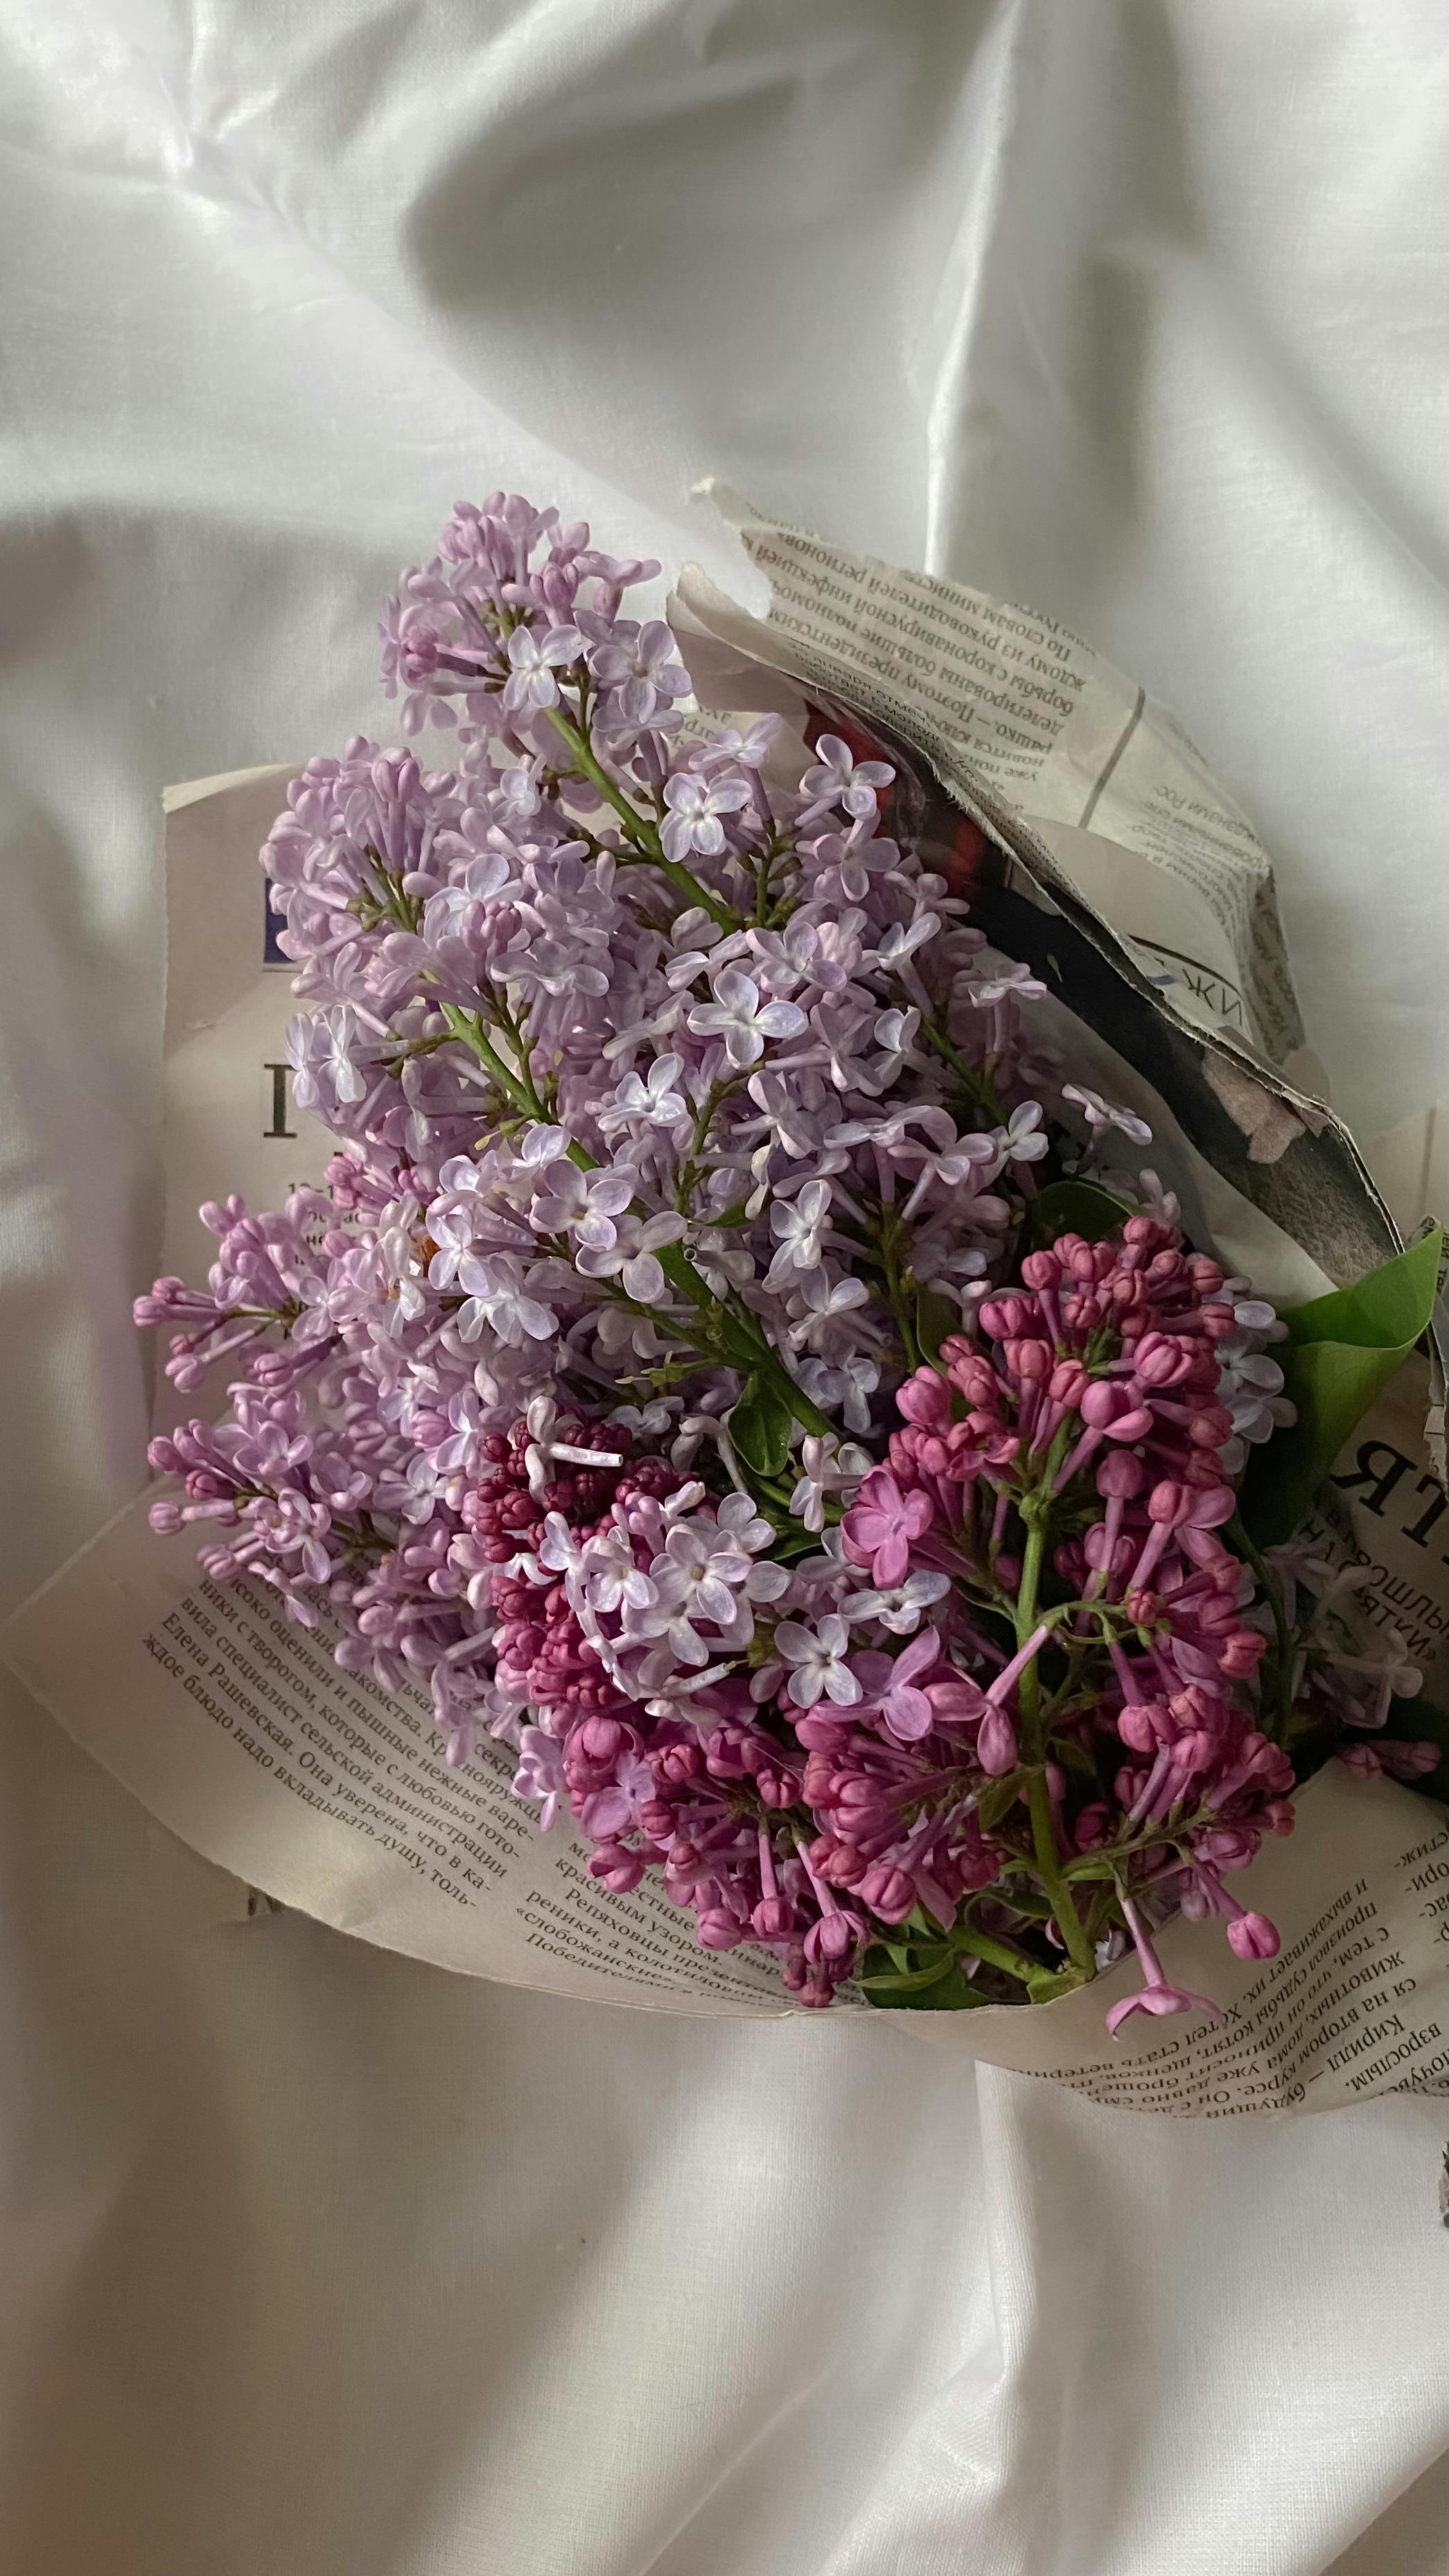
[518, 1087]
[719, 1092]
[996, 1954]
[644, 834]
[763, 863]
[981, 1091]
[392, 904]
[889, 1240]
[1049, 1871]
[1027, 1621]
[1038, 1796]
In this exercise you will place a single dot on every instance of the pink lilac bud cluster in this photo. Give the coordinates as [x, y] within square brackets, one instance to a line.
[679, 1110]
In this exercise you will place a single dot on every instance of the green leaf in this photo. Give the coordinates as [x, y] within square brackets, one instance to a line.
[936, 1316]
[1045, 1984]
[955, 1993]
[794, 1542]
[1342, 1351]
[912, 1981]
[939, 1988]
[1027, 1900]
[737, 1337]
[759, 1426]
[1073, 1756]
[998, 1801]
[1076, 1207]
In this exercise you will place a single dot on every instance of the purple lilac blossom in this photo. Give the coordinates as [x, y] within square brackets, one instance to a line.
[661, 1378]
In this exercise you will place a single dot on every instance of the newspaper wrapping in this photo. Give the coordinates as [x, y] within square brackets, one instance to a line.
[1098, 849]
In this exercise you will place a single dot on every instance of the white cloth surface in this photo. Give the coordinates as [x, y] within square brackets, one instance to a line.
[320, 2264]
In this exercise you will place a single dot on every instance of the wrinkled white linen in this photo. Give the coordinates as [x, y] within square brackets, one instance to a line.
[316, 2261]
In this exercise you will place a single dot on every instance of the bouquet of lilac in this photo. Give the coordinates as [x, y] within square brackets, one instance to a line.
[719, 1365]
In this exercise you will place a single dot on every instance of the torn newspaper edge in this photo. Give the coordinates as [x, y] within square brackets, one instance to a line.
[237, 1730]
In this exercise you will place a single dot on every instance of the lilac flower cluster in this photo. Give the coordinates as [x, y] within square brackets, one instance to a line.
[664, 1376]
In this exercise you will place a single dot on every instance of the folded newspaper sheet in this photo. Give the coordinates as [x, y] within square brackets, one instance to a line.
[1157, 929]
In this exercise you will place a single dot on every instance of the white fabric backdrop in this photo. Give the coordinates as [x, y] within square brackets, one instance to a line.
[320, 2264]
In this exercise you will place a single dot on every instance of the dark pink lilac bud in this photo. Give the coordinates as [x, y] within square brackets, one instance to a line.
[996, 1744]
[618, 1868]
[888, 1891]
[1252, 1936]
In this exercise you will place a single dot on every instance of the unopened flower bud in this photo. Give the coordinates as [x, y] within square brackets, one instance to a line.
[954, 1699]
[1409, 1761]
[888, 1891]
[1121, 1474]
[617, 1868]
[1225, 1846]
[602, 1738]
[1101, 1402]
[996, 1316]
[1134, 1725]
[1241, 1654]
[1041, 1270]
[861, 1807]
[834, 1938]
[673, 1764]
[1131, 1426]
[1252, 1936]
[821, 1733]
[1117, 1559]
[772, 1919]
[996, 1744]
[1160, 1360]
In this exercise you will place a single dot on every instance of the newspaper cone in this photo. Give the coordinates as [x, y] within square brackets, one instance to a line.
[1099, 850]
